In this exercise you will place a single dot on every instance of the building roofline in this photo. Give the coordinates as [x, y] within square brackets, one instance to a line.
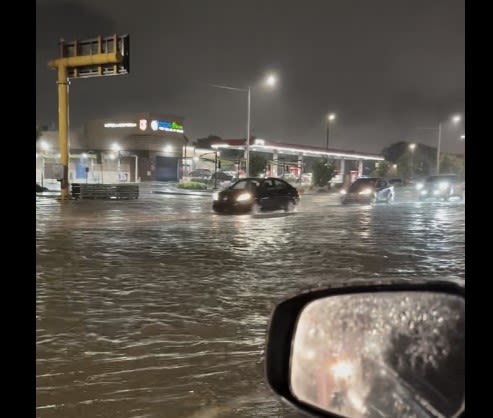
[262, 144]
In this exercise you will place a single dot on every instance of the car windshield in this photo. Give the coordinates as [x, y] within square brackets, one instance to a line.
[164, 235]
[244, 184]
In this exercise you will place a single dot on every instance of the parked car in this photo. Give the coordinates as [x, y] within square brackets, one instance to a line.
[368, 190]
[221, 179]
[255, 194]
[443, 186]
[200, 174]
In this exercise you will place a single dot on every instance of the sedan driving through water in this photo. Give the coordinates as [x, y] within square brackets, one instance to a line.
[369, 190]
[256, 195]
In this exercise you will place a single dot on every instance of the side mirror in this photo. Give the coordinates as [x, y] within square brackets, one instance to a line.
[394, 350]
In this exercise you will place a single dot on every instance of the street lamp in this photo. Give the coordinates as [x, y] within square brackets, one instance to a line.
[412, 147]
[330, 118]
[217, 163]
[270, 81]
[455, 119]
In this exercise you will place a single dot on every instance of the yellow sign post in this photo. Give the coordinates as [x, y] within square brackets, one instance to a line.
[101, 56]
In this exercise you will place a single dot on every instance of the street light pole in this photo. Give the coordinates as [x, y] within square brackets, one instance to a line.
[455, 119]
[270, 81]
[327, 136]
[247, 157]
[330, 118]
[412, 148]
[438, 147]
[215, 171]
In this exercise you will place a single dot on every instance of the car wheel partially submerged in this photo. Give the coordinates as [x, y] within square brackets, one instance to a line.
[290, 207]
[256, 208]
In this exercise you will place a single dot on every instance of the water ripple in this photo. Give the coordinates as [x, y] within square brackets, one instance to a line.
[159, 307]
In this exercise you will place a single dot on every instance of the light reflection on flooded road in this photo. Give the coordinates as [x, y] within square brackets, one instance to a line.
[159, 308]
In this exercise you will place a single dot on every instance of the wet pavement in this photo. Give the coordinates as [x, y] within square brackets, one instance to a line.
[158, 307]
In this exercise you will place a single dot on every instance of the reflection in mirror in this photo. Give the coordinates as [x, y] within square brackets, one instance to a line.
[385, 354]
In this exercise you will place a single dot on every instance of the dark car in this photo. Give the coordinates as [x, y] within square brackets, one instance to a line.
[221, 179]
[443, 186]
[369, 190]
[255, 195]
[200, 173]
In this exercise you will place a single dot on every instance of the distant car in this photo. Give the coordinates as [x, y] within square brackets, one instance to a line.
[443, 186]
[221, 179]
[254, 194]
[396, 181]
[200, 173]
[368, 190]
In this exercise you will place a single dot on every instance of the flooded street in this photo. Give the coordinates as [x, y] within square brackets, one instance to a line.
[158, 307]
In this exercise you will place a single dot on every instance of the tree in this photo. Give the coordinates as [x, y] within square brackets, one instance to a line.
[423, 160]
[393, 152]
[382, 169]
[450, 164]
[323, 171]
[258, 164]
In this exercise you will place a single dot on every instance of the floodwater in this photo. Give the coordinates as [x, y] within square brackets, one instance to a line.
[159, 307]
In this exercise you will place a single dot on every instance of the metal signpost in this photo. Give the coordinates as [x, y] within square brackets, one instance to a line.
[97, 57]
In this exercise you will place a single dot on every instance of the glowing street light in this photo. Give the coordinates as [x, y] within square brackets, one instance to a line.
[412, 147]
[330, 118]
[270, 81]
[455, 119]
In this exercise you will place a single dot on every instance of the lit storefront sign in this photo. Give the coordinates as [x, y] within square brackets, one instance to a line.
[156, 125]
[120, 125]
[159, 125]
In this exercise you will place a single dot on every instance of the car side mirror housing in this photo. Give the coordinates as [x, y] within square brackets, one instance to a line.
[370, 351]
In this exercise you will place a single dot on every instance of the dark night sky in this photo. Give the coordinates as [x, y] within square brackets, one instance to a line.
[384, 66]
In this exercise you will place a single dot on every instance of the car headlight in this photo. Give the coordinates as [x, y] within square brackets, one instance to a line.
[365, 192]
[424, 192]
[244, 197]
[443, 186]
[419, 186]
[215, 196]
[343, 191]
